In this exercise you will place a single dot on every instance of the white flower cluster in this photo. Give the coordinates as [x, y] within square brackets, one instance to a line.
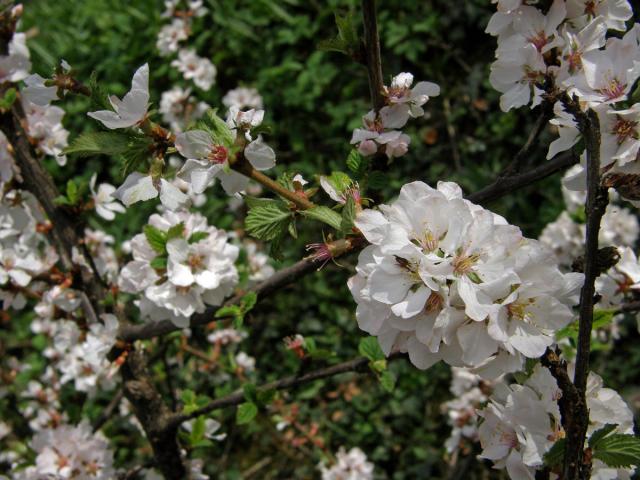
[196, 68]
[192, 66]
[25, 253]
[522, 422]
[208, 160]
[445, 279]
[565, 235]
[351, 465]
[381, 132]
[44, 121]
[469, 393]
[179, 108]
[242, 98]
[179, 273]
[180, 12]
[569, 48]
[69, 451]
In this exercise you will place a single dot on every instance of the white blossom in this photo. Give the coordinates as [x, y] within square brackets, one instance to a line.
[196, 68]
[351, 465]
[132, 109]
[196, 270]
[445, 279]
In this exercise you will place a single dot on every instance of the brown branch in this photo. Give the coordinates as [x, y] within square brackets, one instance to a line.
[372, 54]
[245, 168]
[576, 464]
[156, 417]
[507, 184]
[106, 414]
[628, 307]
[538, 127]
[360, 365]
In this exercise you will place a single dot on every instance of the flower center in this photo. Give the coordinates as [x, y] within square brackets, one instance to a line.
[539, 40]
[218, 154]
[434, 303]
[624, 129]
[464, 264]
[195, 261]
[614, 89]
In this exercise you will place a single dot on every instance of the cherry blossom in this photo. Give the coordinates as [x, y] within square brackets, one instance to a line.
[352, 465]
[132, 109]
[200, 70]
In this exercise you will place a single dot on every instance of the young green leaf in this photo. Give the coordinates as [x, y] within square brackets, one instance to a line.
[157, 238]
[618, 450]
[600, 434]
[370, 348]
[268, 222]
[348, 216]
[555, 455]
[324, 214]
[95, 143]
[197, 236]
[246, 412]
[387, 380]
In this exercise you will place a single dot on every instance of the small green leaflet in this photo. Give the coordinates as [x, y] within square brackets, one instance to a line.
[268, 221]
[346, 41]
[555, 455]
[324, 214]
[176, 231]
[197, 236]
[370, 348]
[348, 216]
[246, 412]
[157, 238]
[6, 102]
[217, 128]
[356, 163]
[600, 434]
[618, 450]
[105, 143]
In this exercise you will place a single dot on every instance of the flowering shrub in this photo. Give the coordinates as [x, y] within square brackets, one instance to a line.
[139, 307]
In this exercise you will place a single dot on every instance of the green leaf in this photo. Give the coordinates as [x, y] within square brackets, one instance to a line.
[157, 238]
[188, 397]
[95, 143]
[198, 429]
[265, 397]
[324, 214]
[268, 221]
[356, 162]
[388, 381]
[6, 102]
[618, 450]
[377, 180]
[250, 392]
[228, 311]
[348, 216]
[555, 455]
[72, 192]
[600, 434]
[159, 263]
[246, 412]
[370, 348]
[217, 128]
[248, 301]
[602, 318]
[197, 236]
[346, 41]
[340, 181]
[99, 98]
[176, 231]
[253, 202]
[61, 200]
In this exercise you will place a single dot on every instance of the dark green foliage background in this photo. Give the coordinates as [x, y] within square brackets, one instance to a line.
[313, 99]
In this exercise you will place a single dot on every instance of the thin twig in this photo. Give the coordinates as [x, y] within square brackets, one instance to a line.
[359, 364]
[576, 464]
[372, 53]
[107, 413]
